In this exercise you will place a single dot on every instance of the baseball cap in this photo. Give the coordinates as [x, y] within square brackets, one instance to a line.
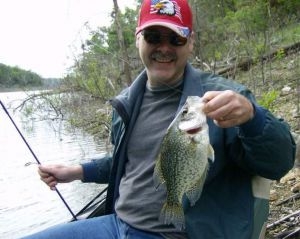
[173, 14]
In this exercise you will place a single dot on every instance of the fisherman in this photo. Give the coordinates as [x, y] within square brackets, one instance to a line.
[251, 146]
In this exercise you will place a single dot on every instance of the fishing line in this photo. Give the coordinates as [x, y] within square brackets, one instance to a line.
[35, 157]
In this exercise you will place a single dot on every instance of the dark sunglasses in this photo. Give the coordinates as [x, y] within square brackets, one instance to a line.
[156, 37]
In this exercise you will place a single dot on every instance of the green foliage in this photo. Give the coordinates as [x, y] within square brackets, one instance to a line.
[252, 18]
[16, 77]
[28, 110]
[260, 49]
[280, 53]
[89, 77]
[240, 28]
[105, 38]
[99, 71]
[285, 11]
[224, 29]
[268, 99]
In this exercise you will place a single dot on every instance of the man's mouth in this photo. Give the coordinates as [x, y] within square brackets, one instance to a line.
[163, 58]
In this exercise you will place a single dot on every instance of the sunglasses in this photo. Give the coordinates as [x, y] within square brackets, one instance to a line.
[156, 37]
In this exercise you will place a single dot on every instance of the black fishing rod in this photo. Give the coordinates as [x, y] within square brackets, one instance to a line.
[92, 204]
[36, 159]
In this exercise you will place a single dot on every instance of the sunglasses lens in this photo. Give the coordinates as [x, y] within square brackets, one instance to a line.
[156, 37]
[152, 37]
[177, 40]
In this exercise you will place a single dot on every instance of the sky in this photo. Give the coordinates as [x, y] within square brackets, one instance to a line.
[44, 36]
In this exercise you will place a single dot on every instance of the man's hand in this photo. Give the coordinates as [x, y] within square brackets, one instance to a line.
[54, 174]
[227, 108]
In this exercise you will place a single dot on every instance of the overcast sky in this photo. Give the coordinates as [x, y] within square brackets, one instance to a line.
[43, 35]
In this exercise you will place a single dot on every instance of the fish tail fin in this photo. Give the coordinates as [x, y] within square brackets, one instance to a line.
[172, 213]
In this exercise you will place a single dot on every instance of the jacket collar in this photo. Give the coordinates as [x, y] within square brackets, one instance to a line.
[132, 95]
[192, 85]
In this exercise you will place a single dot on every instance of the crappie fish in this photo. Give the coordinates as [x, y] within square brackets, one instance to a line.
[182, 162]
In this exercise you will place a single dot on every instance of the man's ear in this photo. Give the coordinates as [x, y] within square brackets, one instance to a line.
[137, 39]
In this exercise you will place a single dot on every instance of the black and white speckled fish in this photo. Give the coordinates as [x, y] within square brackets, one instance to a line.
[183, 160]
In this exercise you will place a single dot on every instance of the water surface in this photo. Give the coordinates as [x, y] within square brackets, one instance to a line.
[26, 203]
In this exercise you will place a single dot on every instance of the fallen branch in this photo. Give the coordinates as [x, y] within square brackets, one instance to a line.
[293, 197]
[293, 233]
[296, 213]
[247, 63]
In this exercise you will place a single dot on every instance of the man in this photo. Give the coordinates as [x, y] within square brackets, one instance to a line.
[245, 138]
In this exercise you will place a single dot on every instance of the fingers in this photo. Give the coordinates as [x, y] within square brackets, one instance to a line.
[51, 182]
[209, 95]
[219, 104]
[47, 177]
[227, 108]
[57, 173]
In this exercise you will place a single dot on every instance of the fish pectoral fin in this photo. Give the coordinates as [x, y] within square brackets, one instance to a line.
[158, 179]
[157, 183]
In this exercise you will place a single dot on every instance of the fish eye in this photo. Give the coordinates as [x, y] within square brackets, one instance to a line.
[185, 111]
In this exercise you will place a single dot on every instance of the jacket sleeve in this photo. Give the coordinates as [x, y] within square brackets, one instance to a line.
[268, 148]
[97, 170]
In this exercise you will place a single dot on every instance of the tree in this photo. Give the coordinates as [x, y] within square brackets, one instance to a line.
[122, 43]
[17, 77]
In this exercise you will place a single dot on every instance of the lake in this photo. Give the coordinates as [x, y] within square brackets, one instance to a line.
[27, 205]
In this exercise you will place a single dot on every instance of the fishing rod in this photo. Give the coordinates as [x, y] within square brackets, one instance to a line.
[92, 203]
[36, 159]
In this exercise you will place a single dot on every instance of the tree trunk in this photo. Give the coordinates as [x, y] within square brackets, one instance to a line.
[121, 41]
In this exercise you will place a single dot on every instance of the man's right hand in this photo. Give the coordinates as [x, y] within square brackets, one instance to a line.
[56, 173]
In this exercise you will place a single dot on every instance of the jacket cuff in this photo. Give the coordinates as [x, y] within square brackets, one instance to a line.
[254, 126]
[90, 171]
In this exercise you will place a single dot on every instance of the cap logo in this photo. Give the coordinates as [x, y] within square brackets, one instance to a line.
[165, 7]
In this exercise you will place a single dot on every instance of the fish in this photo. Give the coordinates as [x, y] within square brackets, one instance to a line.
[183, 160]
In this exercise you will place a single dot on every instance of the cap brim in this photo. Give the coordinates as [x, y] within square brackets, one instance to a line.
[182, 31]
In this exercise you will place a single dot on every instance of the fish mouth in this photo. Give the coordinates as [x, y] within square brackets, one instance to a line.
[190, 128]
[193, 130]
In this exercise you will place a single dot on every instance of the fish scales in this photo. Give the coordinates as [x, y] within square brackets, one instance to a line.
[182, 163]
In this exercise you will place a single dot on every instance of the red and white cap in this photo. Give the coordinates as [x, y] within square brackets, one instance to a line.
[173, 14]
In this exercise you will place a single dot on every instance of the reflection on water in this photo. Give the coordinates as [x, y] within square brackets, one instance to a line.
[26, 204]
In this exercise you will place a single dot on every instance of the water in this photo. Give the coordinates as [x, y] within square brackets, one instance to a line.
[26, 203]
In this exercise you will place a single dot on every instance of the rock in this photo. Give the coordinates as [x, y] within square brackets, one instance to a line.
[290, 176]
[286, 90]
[273, 195]
[291, 64]
[296, 188]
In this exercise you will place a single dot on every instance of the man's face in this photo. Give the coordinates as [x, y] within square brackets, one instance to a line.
[164, 61]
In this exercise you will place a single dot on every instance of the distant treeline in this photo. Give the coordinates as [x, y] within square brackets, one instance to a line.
[15, 77]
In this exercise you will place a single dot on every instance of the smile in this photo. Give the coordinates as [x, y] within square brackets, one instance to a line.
[163, 58]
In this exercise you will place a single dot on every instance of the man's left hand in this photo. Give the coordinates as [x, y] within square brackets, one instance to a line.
[227, 108]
